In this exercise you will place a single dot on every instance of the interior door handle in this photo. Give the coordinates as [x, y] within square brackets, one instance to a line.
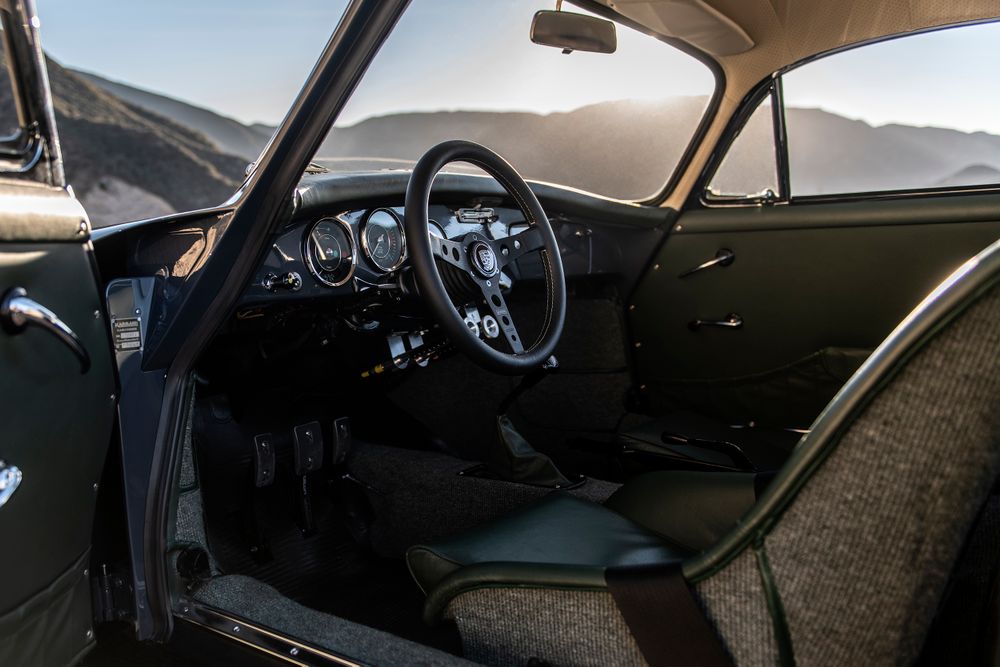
[724, 257]
[731, 321]
[17, 312]
[10, 479]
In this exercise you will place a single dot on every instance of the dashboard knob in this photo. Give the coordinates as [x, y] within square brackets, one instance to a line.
[290, 281]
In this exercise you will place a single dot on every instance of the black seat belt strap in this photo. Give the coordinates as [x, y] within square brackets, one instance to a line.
[662, 614]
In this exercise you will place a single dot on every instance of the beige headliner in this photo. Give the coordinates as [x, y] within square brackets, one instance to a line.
[784, 32]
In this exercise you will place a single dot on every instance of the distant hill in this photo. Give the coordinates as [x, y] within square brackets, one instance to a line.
[132, 153]
[828, 153]
[607, 155]
[229, 136]
[977, 174]
[125, 162]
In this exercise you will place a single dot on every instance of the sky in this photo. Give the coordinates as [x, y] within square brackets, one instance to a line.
[247, 59]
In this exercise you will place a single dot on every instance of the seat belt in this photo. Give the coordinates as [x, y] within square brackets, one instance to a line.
[663, 615]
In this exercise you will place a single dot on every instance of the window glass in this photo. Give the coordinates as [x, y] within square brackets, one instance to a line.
[750, 166]
[613, 124]
[921, 111]
[160, 106]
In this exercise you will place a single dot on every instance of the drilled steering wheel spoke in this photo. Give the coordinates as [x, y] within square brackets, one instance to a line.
[509, 249]
[498, 307]
[451, 251]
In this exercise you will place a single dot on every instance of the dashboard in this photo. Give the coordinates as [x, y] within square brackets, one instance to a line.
[349, 252]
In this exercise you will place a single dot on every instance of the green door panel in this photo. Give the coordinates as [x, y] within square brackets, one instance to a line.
[57, 425]
[815, 287]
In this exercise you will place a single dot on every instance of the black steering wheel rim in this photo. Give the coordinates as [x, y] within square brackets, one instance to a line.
[471, 254]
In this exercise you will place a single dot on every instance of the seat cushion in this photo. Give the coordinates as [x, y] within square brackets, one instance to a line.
[557, 529]
[688, 508]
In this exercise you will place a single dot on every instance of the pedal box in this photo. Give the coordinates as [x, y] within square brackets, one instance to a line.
[341, 439]
[263, 459]
[308, 439]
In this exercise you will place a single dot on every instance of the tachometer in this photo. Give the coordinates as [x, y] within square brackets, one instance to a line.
[382, 239]
[330, 252]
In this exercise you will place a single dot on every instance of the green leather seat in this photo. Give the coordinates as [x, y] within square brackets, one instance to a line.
[657, 517]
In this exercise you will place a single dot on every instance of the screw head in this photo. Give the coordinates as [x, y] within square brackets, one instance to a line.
[97, 314]
[294, 651]
[236, 628]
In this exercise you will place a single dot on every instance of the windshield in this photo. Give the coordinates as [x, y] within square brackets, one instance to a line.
[612, 124]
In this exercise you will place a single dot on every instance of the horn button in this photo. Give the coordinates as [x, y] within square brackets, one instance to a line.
[483, 259]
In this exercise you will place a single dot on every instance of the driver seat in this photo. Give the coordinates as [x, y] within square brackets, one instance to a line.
[842, 560]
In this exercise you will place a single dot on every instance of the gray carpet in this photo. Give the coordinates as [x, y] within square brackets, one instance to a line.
[262, 604]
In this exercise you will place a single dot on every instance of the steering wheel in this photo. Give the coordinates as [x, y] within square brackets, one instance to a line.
[482, 258]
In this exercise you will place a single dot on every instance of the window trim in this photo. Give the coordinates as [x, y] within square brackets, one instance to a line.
[748, 107]
[699, 195]
[24, 150]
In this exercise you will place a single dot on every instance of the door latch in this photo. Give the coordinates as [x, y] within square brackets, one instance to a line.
[17, 312]
[724, 257]
[731, 321]
[10, 479]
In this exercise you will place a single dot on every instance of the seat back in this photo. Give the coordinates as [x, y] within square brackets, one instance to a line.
[845, 558]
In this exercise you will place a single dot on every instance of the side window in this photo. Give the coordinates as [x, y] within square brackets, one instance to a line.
[749, 169]
[917, 112]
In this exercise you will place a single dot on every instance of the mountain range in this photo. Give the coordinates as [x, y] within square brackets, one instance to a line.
[132, 153]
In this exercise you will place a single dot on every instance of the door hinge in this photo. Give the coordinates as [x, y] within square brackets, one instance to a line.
[112, 595]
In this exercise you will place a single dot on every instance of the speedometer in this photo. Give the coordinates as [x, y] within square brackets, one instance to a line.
[382, 239]
[330, 253]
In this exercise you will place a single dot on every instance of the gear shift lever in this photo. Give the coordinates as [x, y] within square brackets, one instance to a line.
[515, 460]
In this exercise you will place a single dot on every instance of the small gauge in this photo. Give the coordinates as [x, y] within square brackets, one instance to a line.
[382, 239]
[330, 252]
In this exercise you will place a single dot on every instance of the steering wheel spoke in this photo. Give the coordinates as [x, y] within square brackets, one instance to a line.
[498, 307]
[451, 251]
[511, 248]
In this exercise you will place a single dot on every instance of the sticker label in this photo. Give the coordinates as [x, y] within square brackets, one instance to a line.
[127, 333]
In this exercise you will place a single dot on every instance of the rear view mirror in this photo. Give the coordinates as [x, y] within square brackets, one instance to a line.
[573, 32]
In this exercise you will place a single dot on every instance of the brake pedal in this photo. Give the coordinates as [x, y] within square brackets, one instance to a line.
[263, 460]
[308, 449]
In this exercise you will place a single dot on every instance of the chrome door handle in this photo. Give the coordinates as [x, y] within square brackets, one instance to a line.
[10, 479]
[724, 257]
[17, 312]
[732, 321]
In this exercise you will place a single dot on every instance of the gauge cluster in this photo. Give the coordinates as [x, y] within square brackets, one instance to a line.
[350, 252]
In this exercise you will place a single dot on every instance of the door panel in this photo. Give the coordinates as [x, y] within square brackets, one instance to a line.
[56, 428]
[815, 286]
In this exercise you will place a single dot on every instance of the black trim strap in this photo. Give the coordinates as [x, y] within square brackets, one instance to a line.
[662, 614]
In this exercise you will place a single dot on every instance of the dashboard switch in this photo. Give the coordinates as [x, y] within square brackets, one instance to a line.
[290, 281]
